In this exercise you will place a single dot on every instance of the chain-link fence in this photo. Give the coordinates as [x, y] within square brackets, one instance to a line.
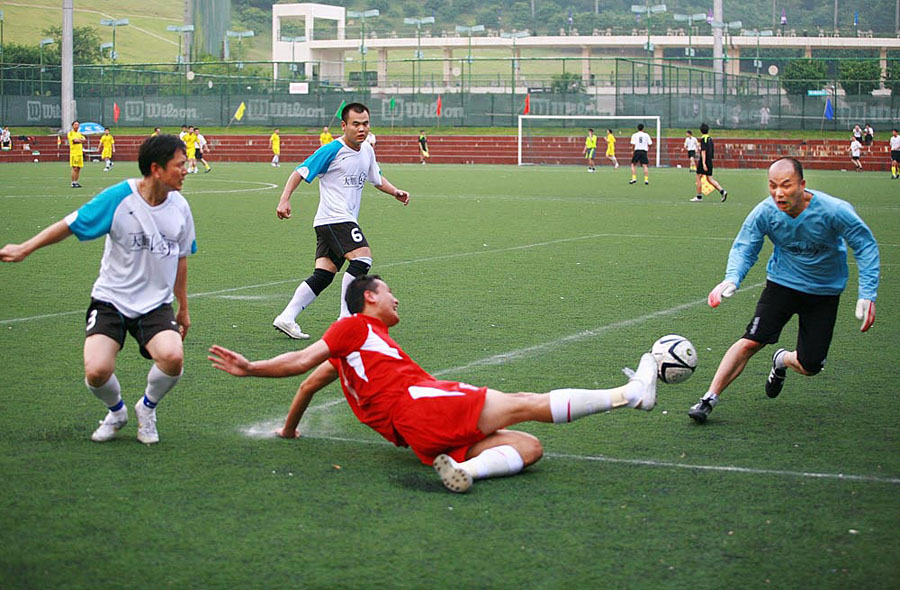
[481, 92]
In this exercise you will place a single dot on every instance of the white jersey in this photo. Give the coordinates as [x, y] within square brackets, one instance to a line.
[201, 142]
[691, 144]
[143, 245]
[181, 135]
[855, 146]
[895, 142]
[641, 141]
[343, 173]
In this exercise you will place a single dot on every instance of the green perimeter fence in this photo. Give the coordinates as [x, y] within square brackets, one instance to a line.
[483, 92]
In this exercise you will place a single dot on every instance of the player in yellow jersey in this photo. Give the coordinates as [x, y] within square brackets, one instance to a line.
[155, 132]
[76, 153]
[275, 145]
[109, 148]
[611, 148]
[190, 142]
[590, 146]
[325, 137]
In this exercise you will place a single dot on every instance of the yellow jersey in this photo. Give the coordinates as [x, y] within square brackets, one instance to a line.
[610, 141]
[190, 141]
[325, 138]
[275, 140]
[107, 142]
[590, 142]
[75, 149]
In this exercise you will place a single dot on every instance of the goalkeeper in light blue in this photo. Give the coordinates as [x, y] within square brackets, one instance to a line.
[805, 277]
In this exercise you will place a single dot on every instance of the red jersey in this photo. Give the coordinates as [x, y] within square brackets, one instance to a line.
[375, 372]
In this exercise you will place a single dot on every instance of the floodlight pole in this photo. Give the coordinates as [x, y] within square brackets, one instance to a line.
[2, 73]
[67, 78]
[362, 45]
[45, 41]
[418, 22]
[469, 30]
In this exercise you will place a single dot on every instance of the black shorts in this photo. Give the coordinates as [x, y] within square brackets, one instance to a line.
[854, 158]
[104, 318]
[895, 155]
[640, 157]
[692, 154]
[704, 170]
[335, 240]
[778, 304]
[589, 153]
[199, 154]
[868, 140]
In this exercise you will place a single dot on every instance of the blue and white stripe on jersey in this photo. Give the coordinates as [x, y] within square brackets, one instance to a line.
[94, 218]
[319, 161]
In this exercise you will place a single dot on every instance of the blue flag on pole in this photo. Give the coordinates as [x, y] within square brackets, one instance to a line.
[829, 110]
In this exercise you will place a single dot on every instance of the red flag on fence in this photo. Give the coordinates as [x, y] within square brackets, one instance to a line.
[527, 104]
[439, 106]
[116, 112]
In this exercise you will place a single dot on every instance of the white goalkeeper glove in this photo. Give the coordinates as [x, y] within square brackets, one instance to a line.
[865, 311]
[723, 289]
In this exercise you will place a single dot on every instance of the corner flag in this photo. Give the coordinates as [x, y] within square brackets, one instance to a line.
[337, 113]
[239, 113]
[527, 104]
[438, 110]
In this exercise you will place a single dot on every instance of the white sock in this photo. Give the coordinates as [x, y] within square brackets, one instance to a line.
[779, 360]
[107, 164]
[567, 405]
[110, 393]
[303, 296]
[345, 282]
[158, 385]
[275, 159]
[494, 462]
[712, 398]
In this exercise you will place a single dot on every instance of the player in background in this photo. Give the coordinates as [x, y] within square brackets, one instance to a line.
[895, 154]
[611, 148]
[144, 267]
[203, 148]
[108, 143]
[184, 131]
[869, 135]
[371, 140]
[805, 276]
[857, 133]
[423, 146]
[275, 146]
[590, 147]
[190, 143]
[705, 165]
[325, 137]
[343, 166]
[155, 132]
[855, 152]
[458, 428]
[76, 152]
[640, 143]
[5, 139]
[691, 146]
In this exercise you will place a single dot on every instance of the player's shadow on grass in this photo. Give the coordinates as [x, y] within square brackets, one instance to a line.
[426, 480]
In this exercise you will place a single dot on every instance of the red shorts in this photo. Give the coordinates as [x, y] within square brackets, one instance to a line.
[440, 417]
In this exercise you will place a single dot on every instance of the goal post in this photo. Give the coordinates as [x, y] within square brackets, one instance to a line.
[561, 148]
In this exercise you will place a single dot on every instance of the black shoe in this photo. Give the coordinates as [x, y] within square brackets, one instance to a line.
[76, 185]
[632, 181]
[701, 410]
[724, 195]
[776, 378]
[647, 182]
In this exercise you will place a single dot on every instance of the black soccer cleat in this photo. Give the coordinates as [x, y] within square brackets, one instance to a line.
[701, 410]
[775, 381]
[632, 181]
[724, 195]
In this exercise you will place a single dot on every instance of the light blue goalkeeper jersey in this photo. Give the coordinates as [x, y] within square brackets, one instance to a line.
[810, 250]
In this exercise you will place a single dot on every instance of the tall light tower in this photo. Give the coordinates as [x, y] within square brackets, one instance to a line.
[114, 23]
[362, 44]
[690, 18]
[469, 30]
[419, 55]
[45, 41]
[181, 30]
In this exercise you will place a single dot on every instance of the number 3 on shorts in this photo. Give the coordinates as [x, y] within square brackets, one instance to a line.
[356, 235]
[92, 320]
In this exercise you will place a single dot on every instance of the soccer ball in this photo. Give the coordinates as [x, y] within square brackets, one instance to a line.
[676, 358]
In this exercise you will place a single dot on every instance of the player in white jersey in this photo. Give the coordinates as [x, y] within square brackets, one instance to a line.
[691, 146]
[149, 233]
[895, 154]
[855, 149]
[344, 166]
[641, 142]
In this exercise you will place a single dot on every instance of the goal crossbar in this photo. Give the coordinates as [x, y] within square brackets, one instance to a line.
[648, 118]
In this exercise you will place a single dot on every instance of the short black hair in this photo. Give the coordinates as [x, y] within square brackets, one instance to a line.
[689, 132]
[356, 107]
[798, 167]
[704, 128]
[158, 149]
[609, 130]
[355, 296]
[591, 130]
[640, 126]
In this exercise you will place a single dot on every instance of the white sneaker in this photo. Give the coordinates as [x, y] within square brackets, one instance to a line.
[147, 433]
[641, 389]
[274, 164]
[455, 478]
[290, 328]
[110, 425]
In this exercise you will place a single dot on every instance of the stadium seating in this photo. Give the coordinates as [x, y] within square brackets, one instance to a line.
[825, 154]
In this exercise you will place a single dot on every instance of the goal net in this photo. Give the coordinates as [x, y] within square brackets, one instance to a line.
[559, 139]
